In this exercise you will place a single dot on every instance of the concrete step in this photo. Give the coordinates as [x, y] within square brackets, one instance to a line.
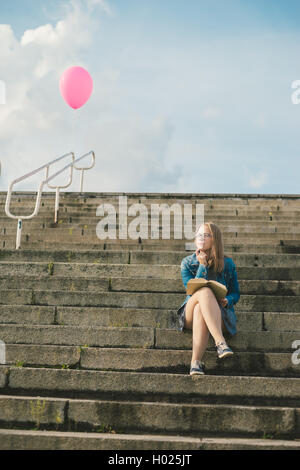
[221, 215]
[274, 235]
[213, 199]
[250, 303]
[227, 226]
[150, 387]
[136, 417]
[112, 284]
[229, 209]
[136, 317]
[95, 269]
[98, 270]
[82, 233]
[233, 243]
[146, 417]
[244, 363]
[141, 337]
[84, 244]
[11, 244]
[225, 214]
[242, 201]
[57, 440]
[129, 285]
[144, 257]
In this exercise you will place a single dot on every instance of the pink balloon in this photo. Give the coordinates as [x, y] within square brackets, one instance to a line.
[76, 86]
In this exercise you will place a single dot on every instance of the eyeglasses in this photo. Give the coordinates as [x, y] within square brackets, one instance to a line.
[205, 235]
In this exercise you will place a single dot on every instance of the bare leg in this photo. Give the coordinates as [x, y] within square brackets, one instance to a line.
[210, 311]
[200, 333]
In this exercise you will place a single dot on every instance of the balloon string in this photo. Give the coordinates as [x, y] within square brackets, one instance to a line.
[74, 130]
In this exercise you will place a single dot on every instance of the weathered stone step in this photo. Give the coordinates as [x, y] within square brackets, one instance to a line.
[184, 419]
[16, 439]
[81, 232]
[77, 335]
[229, 208]
[144, 257]
[214, 199]
[91, 219]
[231, 228]
[96, 269]
[234, 239]
[82, 243]
[48, 282]
[230, 205]
[149, 360]
[62, 283]
[82, 235]
[58, 239]
[150, 387]
[147, 338]
[131, 317]
[254, 220]
[265, 303]
[85, 244]
[72, 232]
[136, 417]
[230, 240]
[224, 215]
[72, 196]
[235, 226]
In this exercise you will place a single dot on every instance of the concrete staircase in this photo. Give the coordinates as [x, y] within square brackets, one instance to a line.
[93, 356]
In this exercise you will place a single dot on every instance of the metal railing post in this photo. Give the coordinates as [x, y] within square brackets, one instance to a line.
[81, 180]
[85, 168]
[39, 194]
[56, 204]
[19, 232]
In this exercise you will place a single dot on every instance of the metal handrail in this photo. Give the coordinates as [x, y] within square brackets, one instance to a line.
[39, 195]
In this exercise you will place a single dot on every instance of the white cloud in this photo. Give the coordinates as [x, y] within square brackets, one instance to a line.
[211, 112]
[43, 35]
[260, 120]
[257, 180]
[103, 4]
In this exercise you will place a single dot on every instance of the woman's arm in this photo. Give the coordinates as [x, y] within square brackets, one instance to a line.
[186, 273]
[233, 288]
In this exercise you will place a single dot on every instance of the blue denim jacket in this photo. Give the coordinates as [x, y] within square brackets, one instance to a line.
[191, 268]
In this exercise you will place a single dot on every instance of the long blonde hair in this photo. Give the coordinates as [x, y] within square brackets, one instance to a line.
[216, 253]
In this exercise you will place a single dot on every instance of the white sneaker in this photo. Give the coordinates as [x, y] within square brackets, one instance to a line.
[223, 350]
[197, 368]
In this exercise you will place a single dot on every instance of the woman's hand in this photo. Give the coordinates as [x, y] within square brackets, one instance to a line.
[201, 256]
[224, 302]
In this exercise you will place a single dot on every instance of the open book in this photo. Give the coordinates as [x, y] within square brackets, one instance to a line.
[195, 284]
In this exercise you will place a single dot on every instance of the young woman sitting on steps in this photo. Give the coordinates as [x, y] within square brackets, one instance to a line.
[202, 312]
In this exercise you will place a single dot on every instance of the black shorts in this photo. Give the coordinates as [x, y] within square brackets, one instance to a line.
[181, 316]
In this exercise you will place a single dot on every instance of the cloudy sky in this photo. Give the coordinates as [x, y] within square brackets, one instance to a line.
[189, 95]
